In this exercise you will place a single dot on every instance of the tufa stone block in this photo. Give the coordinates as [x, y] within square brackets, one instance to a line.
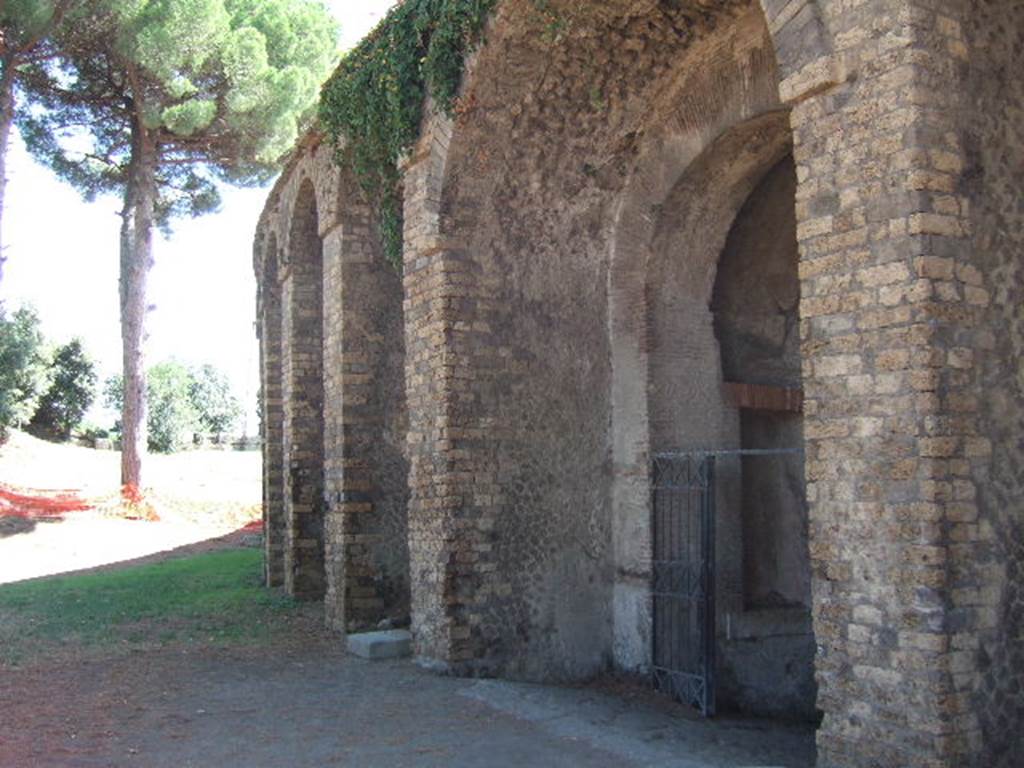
[387, 644]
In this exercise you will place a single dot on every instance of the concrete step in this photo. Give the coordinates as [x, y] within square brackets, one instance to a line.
[386, 644]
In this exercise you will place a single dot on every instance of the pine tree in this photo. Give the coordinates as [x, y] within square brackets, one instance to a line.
[156, 100]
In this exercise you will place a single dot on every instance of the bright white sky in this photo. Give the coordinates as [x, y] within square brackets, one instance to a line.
[62, 258]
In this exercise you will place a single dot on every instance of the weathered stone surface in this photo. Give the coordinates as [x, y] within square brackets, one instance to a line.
[985, 374]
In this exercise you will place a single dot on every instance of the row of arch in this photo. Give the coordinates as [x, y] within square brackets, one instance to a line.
[468, 447]
[660, 280]
[333, 408]
[292, 309]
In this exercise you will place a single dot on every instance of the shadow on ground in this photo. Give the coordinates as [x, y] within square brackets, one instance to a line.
[21, 511]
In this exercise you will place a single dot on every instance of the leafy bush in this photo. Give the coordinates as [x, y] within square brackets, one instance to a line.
[71, 392]
[90, 433]
[24, 368]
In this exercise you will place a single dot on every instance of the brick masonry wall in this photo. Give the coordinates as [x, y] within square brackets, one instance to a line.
[508, 350]
[304, 397]
[348, 541]
[365, 427]
[447, 545]
[876, 432]
[272, 417]
[528, 513]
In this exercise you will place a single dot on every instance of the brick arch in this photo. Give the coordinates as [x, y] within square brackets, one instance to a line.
[726, 104]
[667, 372]
[259, 257]
[365, 417]
[457, 182]
[346, 470]
[804, 48]
[428, 390]
[311, 167]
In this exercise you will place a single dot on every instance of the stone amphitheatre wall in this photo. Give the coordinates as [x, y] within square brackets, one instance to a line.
[566, 312]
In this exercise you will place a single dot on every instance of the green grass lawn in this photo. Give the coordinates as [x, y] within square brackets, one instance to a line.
[213, 598]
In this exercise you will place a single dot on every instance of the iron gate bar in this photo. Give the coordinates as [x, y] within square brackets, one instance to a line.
[683, 571]
[707, 514]
[729, 452]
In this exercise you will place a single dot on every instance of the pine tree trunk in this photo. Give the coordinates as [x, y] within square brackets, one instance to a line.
[6, 121]
[136, 259]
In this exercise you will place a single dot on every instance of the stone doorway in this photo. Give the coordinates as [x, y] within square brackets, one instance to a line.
[718, 353]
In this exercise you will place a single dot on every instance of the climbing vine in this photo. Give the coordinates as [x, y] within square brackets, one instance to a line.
[372, 106]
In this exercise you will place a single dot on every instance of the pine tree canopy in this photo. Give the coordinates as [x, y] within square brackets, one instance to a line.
[221, 87]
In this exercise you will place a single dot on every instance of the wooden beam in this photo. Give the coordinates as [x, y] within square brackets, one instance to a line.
[763, 397]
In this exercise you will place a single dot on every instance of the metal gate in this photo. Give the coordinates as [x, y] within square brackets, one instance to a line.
[684, 577]
[684, 568]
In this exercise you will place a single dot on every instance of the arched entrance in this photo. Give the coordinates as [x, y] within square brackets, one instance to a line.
[768, 666]
[704, 294]
[731, 609]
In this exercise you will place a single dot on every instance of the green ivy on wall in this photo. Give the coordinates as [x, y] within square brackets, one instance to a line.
[372, 106]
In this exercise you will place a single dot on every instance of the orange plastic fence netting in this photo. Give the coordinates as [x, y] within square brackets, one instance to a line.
[39, 504]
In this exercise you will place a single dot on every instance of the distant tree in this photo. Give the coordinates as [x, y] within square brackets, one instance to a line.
[24, 368]
[24, 41]
[170, 95]
[72, 391]
[113, 395]
[211, 395]
[172, 418]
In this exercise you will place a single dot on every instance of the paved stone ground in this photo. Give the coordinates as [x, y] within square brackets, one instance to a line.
[303, 707]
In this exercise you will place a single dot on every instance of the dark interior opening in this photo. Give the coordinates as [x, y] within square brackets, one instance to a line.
[755, 304]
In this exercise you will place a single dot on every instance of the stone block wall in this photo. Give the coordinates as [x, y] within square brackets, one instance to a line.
[890, 332]
[876, 537]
